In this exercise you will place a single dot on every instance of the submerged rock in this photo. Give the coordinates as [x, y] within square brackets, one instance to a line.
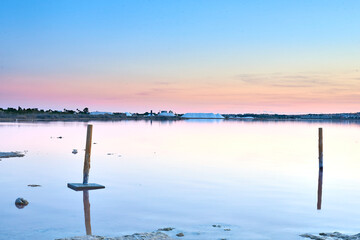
[136, 236]
[166, 229]
[89, 237]
[331, 236]
[21, 203]
[145, 236]
[34, 185]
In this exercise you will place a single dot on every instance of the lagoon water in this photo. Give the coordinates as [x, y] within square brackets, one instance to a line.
[259, 179]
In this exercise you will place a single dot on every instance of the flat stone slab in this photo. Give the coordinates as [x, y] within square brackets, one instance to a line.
[331, 236]
[136, 236]
[82, 187]
[11, 154]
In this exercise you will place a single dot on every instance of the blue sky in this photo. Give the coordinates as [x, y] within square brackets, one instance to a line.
[143, 43]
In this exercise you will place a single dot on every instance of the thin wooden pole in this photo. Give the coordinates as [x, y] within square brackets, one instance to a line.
[320, 148]
[87, 212]
[87, 154]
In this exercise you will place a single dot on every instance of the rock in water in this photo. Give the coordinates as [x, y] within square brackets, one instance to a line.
[136, 236]
[75, 151]
[34, 185]
[166, 229]
[11, 154]
[145, 236]
[21, 203]
[331, 236]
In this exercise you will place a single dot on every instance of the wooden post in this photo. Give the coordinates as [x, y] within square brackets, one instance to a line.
[320, 148]
[86, 185]
[87, 212]
[87, 154]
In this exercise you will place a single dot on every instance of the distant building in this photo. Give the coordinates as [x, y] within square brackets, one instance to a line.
[166, 114]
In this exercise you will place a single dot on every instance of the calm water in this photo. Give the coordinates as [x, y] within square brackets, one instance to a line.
[259, 179]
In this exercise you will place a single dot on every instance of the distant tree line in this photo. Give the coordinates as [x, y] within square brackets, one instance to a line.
[20, 110]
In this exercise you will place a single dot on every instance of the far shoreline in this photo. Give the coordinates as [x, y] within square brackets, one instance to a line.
[26, 118]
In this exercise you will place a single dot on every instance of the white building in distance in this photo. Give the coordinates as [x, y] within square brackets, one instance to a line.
[166, 114]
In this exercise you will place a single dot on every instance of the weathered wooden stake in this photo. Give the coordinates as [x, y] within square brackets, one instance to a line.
[87, 154]
[320, 148]
[86, 185]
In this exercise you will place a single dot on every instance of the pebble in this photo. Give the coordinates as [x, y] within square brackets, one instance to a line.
[21, 203]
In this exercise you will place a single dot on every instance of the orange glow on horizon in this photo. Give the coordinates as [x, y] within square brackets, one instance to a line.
[256, 93]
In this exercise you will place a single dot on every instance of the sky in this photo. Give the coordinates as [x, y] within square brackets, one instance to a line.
[219, 56]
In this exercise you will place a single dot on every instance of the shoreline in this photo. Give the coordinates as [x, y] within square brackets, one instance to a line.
[170, 119]
[41, 116]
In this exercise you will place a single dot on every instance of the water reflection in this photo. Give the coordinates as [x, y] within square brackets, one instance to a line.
[182, 189]
[87, 217]
[319, 193]
[201, 120]
[87, 212]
